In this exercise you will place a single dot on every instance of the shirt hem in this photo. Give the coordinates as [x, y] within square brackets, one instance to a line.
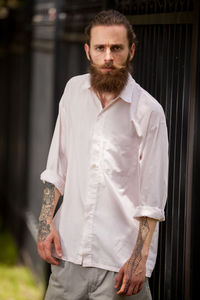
[97, 265]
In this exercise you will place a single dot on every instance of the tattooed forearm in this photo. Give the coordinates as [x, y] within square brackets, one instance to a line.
[47, 201]
[136, 256]
[131, 276]
[142, 235]
[44, 230]
[48, 205]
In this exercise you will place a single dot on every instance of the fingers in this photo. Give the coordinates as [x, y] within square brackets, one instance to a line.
[119, 278]
[125, 286]
[130, 290]
[45, 249]
[130, 286]
[57, 246]
[133, 290]
[48, 254]
[140, 286]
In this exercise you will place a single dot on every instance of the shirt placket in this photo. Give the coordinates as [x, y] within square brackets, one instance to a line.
[95, 179]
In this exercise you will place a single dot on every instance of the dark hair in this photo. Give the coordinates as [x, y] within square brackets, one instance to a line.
[108, 18]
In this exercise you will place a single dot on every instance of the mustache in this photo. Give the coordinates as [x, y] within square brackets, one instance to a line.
[107, 65]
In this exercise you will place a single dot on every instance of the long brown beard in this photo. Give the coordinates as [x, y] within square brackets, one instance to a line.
[111, 82]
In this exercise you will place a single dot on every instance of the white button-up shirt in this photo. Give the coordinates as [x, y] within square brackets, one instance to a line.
[111, 164]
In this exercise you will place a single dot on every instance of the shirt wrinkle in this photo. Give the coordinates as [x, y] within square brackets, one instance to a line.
[112, 168]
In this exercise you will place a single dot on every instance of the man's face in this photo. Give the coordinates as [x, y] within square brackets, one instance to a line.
[109, 48]
[109, 55]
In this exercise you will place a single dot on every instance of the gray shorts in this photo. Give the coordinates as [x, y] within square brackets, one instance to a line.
[69, 281]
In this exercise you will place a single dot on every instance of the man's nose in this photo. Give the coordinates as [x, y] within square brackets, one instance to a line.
[108, 55]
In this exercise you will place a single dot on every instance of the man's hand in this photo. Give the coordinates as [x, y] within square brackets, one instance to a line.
[47, 237]
[131, 276]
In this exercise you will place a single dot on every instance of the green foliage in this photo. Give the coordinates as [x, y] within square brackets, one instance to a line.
[16, 282]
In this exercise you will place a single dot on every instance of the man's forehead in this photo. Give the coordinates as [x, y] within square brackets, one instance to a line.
[114, 34]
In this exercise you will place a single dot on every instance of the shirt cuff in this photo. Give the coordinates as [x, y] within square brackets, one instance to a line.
[150, 212]
[55, 179]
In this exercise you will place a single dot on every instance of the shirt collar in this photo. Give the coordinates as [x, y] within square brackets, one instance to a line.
[126, 93]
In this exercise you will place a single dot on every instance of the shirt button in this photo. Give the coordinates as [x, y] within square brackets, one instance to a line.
[94, 166]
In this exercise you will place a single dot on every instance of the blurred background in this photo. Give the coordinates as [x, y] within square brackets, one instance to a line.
[41, 47]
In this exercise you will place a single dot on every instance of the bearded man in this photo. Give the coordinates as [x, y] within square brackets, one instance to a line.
[109, 160]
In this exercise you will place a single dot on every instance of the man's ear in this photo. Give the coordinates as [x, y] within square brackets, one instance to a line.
[132, 52]
[87, 51]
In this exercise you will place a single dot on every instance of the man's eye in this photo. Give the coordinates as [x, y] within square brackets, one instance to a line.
[116, 48]
[99, 48]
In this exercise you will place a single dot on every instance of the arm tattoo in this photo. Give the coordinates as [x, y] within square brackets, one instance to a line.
[136, 257]
[48, 203]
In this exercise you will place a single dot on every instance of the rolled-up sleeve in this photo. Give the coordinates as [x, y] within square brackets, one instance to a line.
[154, 169]
[56, 168]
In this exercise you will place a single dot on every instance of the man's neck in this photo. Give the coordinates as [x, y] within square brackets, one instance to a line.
[105, 98]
